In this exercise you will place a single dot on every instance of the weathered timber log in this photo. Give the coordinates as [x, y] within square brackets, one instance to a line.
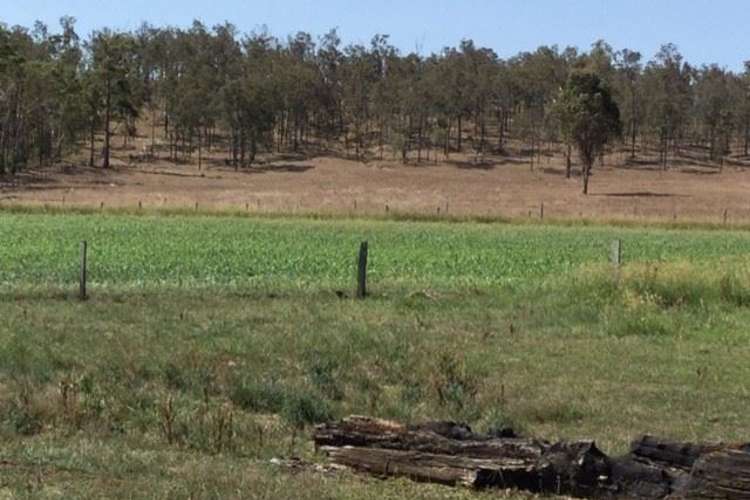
[633, 479]
[428, 453]
[450, 470]
[445, 438]
[656, 467]
[719, 474]
[671, 454]
[452, 454]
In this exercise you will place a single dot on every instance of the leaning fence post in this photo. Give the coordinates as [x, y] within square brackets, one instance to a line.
[82, 282]
[362, 271]
[616, 253]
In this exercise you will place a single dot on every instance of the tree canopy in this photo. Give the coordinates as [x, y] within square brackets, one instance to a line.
[204, 88]
[589, 117]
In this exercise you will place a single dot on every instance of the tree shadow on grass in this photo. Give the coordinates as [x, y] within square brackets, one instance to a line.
[641, 194]
[486, 163]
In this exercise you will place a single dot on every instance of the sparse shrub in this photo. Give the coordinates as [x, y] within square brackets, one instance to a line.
[208, 427]
[497, 423]
[193, 376]
[734, 291]
[323, 370]
[258, 396]
[641, 321]
[456, 386]
[303, 408]
[560, 413]
[673, 286]
[23, 416]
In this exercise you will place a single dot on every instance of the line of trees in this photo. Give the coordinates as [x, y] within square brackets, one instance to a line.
[208, 88]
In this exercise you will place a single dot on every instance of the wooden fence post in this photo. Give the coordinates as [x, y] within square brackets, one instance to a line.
[541, 211]
[616, 253]
[362, 271]
[82, 281]
[726, 213]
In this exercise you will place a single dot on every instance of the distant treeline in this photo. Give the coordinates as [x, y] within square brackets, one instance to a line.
[215, 87]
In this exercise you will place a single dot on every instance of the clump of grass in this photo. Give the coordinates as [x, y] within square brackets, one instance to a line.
[557, 412]
[456, 385]
[669, 285]
[497, 422]
[305, 408]
[24, 414]
[642, 321]
[641, 299]
[735, 289]
[262, 396]
[299, 407]
[323, 370]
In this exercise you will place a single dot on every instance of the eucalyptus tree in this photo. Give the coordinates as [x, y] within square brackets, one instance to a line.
[12, 76]
[330, 112]
[715, 108]
[743, 116]
[667, 91]
[629, 68]
[359, 76]
[589, 116]
[537, 77]
[113, 72]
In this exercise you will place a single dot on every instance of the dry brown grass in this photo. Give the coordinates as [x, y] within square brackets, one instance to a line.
[495, 187]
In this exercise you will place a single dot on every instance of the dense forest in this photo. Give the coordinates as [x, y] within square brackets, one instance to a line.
[208, 88]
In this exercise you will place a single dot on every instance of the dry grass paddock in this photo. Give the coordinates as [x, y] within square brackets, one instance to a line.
[495, 186]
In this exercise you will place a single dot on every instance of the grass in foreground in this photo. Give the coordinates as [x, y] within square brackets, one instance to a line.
[173, 390]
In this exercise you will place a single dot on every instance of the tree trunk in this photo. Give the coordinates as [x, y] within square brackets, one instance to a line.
[92, 138]
[460, 133]
[531, 166]
[586, 174]
[200, 149]
[153, 131]
[483, 133]
[419, 140]
[568, 162]
[234, 147]
[253, 148]
[501, 131]
[107, 118]
[242, 147]
[632, 122]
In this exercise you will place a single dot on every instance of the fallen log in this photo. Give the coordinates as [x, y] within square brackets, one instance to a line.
[656, 467]
[443, 438]
[452, 454]
[672, 454]
[449, 470]
[428, 453]
[719, 474]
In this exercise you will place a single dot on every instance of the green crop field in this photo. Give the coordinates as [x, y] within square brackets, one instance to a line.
[132, 251]
[210, 345]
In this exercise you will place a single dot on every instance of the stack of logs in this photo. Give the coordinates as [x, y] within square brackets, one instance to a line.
[451, 454]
